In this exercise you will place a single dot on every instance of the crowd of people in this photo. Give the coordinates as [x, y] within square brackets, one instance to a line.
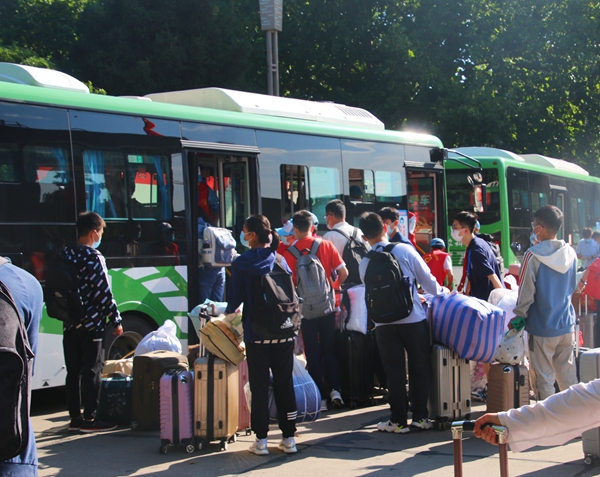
[547, 281]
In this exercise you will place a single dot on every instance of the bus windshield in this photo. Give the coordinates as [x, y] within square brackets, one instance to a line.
[460, 194]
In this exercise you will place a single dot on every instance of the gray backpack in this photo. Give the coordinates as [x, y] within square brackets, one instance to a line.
[313, 286]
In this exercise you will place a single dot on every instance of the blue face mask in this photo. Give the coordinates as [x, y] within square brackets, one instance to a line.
[97, 244]
[243, 241]
[533, 238]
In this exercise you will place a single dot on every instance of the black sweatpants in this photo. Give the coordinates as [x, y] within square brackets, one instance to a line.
[84, 354]
[279, 358]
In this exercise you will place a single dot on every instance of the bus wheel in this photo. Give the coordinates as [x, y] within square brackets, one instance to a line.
[134, 329]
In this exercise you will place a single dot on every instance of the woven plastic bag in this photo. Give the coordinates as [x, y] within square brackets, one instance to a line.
[164, 338]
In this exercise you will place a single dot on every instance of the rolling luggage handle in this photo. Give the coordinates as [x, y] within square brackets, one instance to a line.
[457, 429]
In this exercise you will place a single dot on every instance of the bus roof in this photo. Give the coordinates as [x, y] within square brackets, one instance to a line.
[486, 154]
[162, 110]
[40, 77]
[243, 102]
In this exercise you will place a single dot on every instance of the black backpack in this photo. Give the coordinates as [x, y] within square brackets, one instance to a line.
[16, 361]
[354, 251]
[277, 309]
[387, 291]
[495, 249]
[61, 292]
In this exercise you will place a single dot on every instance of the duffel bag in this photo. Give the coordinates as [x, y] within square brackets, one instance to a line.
[220, 341]
[471, 327]
[121, 366]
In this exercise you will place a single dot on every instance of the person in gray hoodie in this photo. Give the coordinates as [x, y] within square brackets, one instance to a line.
[263, 355]
[548, 279]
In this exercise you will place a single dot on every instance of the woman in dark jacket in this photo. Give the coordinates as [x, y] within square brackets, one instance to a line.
[262, 354]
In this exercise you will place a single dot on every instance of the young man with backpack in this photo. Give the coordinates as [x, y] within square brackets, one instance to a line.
[83, 343]
[347, 239]
[401, 323]
[312, 261]
[27, 294]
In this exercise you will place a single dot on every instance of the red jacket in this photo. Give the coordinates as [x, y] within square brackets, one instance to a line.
[435, 261]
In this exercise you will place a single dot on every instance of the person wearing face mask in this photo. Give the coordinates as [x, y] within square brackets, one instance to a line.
[263, 355]
[390, 217]
[587, 249]
[481, 267]
[544, 308]
[287, 235]
[83, 343]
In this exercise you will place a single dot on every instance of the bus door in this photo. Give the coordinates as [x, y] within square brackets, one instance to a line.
[426, 201]
[223, 189]
[558, 198]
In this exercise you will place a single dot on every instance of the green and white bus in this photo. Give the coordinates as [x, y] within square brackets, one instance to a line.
[514, 187]
[136, 162]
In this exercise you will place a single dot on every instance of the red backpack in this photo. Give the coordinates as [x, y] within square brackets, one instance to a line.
[592, 289]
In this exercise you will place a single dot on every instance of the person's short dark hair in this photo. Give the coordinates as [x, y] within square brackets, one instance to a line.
[586, 233]
[88, 221]
[389, 213]
[596, 234]
[337, 208]
[371, 225]
[302, 220]
[550, 217]
[261, 226]
[466, 219]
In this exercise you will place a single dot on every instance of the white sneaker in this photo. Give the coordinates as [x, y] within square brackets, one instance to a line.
[422, 425]
[336, 398]
[390, 426]
[259, 447]
[323, 404]
[288, 445]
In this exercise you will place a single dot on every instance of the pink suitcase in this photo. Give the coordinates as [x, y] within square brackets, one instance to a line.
[177, 410]
[244, 411]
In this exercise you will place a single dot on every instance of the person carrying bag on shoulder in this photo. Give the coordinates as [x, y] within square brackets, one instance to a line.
[261, 279]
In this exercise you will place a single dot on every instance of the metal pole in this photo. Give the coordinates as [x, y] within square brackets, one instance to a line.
[269, 64]
[276, 63]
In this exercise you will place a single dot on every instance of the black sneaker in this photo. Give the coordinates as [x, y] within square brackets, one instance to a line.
[75, 424]
[97, 426]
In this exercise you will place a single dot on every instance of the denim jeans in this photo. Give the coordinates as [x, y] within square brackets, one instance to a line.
[393, 340]
[212, 283]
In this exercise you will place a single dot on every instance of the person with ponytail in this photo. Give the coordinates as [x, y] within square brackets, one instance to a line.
[263, 355]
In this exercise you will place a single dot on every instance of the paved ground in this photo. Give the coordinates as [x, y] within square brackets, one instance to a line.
[340, 443]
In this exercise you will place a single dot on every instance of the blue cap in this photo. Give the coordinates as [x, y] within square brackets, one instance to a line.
[288, 227]
[437, 242]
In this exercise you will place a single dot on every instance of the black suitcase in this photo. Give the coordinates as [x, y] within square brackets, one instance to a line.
[354, 352]
[147, 371]
[115, 399]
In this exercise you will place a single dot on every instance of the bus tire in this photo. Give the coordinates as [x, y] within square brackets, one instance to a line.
[134, 329]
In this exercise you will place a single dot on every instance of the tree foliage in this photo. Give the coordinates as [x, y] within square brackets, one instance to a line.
[522, 75]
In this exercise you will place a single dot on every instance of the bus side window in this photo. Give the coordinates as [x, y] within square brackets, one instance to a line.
[324, 183]
[294, 193]
[361, 185]
[388, 186]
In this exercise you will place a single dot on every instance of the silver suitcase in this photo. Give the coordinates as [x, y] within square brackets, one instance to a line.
[589, 369]
[450, 391]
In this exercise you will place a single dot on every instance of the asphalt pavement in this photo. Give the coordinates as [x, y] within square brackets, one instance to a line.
[342, 442]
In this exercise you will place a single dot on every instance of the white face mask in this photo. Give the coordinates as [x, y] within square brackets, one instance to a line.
[456, 235]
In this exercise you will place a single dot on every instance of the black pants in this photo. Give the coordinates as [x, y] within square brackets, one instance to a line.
[84, 354]
[279, 358]
[392, 341]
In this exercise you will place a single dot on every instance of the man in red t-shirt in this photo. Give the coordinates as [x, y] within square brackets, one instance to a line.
[319, 333]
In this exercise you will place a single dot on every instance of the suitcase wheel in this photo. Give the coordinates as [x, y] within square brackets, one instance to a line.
[248, 431]
[232, 438]
[134, 425]
[190, 448]
[162, 449]
[353, 404]
[200, 445]
[223, 446]
[588, 460]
